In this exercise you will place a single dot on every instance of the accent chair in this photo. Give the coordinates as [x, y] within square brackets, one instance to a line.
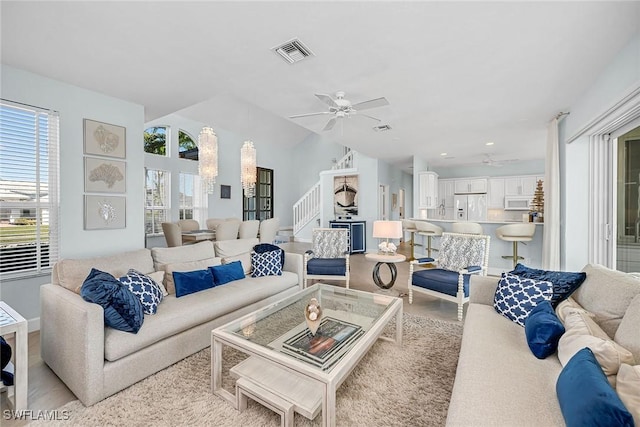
[329, 258]
[460, 256]
[189, 225]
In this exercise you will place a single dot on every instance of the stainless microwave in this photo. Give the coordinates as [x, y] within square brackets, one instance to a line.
[516, 203]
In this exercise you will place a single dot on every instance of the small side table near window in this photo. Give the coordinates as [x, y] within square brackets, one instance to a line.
[12, 323]
[390, 261]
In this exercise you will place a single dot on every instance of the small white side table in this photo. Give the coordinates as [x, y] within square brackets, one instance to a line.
[390, 261]
[12, 323]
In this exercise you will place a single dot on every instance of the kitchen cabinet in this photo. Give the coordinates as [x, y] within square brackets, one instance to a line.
[520, 186]
[496, 193]
[357, 234]
[446, 191]
[470, 186]
[428, 190]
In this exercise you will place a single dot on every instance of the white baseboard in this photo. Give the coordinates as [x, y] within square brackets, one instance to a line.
[33, 324]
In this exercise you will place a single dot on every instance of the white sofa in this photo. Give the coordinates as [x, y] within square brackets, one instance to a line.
[499, 382]
[95, 361]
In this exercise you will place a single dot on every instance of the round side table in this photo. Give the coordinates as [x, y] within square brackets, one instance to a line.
[390, 261]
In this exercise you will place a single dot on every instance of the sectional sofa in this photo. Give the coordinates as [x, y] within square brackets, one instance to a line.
[95, 361]
[499, 382]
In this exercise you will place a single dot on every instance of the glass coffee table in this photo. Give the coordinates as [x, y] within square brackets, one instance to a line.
[288, 369]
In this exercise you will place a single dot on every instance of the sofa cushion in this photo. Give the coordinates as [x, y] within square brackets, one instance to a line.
[582, 331]
[186, 266]
[569, 306]
[327, 266]
[439, 280]
[266, 263]
[607, 293]
[516, 296]
[145, 288]
[543, 330]
[70, 273]
[176, 315]
[564, 282]
[223, 274]
[122, 309]
[179, 254]
[628, 334]
[190, 282]
[586, 398]
[244, 260]
[158, 277]
[628, 389]
[236, 250]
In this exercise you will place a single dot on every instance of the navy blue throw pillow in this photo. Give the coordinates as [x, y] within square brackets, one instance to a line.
[564, 282]
[268, 247]
[586, 398]
[227, 272]
[122, 309]
[543, 330]
[189, 282]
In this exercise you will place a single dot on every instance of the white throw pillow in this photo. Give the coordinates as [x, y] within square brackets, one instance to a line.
[628, 389]
[582, 331]
[245, 260]
[158, 277]
[186, 266]
[567, 306]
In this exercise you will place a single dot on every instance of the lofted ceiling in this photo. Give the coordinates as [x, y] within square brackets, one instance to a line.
[456, 74]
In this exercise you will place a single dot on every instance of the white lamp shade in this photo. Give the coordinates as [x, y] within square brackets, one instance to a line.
[387, 229]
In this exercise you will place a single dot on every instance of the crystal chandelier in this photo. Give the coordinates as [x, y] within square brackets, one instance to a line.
[248, 168]
[208, 158]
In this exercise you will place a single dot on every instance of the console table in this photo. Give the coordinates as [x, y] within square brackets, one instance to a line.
[12, 323]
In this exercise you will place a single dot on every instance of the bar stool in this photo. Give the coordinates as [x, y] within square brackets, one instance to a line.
[516, 233]
[466, 228]
[409, 226]
[429, 230]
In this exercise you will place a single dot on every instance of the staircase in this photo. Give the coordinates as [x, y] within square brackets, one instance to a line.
[307, 208]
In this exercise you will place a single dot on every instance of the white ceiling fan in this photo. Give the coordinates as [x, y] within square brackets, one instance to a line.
[339, 108]
[490, 161]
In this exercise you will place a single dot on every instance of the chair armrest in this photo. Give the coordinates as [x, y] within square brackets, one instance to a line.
[482, 289]
[308, 252]
[293, 263]
[472, 269]
[72, 341]
[421, 261]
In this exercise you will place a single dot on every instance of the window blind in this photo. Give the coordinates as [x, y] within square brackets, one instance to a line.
[29, 190]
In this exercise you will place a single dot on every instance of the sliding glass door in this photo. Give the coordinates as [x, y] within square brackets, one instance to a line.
[628, 202]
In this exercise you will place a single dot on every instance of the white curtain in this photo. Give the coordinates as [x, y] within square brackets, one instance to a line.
[551, 236]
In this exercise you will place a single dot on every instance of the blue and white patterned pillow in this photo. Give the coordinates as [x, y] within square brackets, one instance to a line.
[516, 296]
[266, 264]
[145, 288]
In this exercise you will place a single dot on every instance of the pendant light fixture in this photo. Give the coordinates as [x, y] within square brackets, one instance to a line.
[248, 168]
[208, 158]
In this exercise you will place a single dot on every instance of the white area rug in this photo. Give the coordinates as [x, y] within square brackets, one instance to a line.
[408, 385]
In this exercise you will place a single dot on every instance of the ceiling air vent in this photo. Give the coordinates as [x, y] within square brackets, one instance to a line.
[293, 51]
[382, 128]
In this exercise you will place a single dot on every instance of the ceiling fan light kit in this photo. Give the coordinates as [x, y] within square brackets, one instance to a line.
[341, 108]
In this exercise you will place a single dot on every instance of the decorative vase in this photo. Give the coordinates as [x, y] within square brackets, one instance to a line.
[313, 315]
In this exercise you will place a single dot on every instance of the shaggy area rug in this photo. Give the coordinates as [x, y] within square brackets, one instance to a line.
[408, 385]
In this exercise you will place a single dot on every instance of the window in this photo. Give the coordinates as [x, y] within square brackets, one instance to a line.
[628, 201]
[261, 206]
[155, 140]
[193, 199]
[157, 184]
[187, 148]
[28, 189]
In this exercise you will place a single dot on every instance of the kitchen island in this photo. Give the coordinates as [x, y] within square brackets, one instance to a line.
[531, 251]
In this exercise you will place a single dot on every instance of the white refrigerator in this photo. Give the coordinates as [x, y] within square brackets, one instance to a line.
[470, 207]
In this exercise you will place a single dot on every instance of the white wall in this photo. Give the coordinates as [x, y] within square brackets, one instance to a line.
[395, 179]
[524, 167]
[74, 105]
[310, 157]
[616, 81]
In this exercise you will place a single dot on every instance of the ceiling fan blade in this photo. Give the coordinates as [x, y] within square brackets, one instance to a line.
[327, 100]
[310, 114]
[371, 117]
[372, 103]
[330, 124]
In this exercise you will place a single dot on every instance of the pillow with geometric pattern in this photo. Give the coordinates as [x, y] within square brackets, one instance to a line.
[145, 288]
[266, 264]
[516, 296]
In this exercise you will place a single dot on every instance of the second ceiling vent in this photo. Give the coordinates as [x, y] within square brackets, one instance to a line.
[293, 51]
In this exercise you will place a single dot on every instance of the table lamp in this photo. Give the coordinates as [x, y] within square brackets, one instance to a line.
[387, 230]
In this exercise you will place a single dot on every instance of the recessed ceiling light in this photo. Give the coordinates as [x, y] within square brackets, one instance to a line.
[443, 154]
[489, 143]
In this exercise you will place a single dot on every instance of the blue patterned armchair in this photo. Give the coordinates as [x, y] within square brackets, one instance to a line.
[329, 258]
[460, 256]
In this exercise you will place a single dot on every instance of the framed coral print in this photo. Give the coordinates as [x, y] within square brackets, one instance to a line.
[104, 176]
[103, 139]
[105, 212]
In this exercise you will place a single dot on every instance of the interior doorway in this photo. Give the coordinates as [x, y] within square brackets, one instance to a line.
[401, 203]
[383, 202]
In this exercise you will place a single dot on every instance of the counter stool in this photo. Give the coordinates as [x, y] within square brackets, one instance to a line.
[466, 228]
[516, 233]
[429, 230]
[409, 226]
